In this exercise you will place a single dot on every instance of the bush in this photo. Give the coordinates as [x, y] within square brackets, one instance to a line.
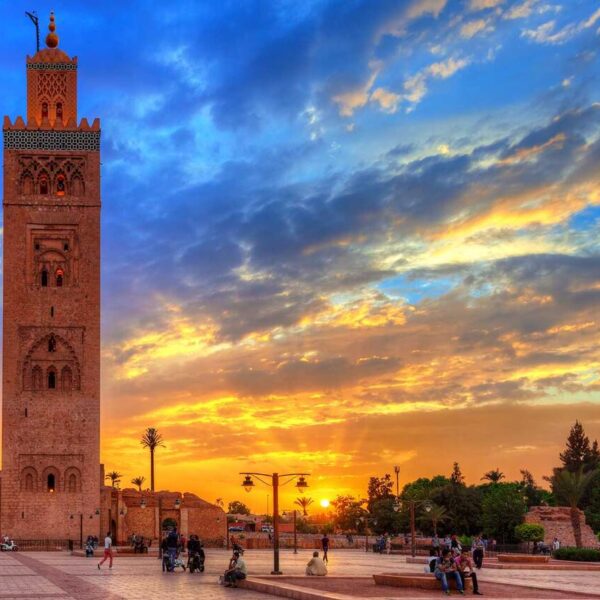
[585, 554]
[529, 532]
[465, 540]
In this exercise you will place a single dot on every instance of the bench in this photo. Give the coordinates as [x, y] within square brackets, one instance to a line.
[523, 558]
[422, 582]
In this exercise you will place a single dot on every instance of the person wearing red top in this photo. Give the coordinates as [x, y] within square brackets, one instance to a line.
[465, 568]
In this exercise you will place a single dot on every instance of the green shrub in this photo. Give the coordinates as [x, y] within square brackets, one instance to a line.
[465, 540]
[529, 532]
[585, 554]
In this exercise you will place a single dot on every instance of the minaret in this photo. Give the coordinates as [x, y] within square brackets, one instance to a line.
[51, 322]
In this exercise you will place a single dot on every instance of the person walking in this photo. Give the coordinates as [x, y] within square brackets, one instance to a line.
[107, 552]
[478, 551]
[325, 547]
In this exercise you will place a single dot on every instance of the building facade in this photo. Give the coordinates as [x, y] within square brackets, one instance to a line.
[51, 476]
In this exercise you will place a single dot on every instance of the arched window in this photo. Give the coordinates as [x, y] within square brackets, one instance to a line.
[76, 186]
[36, 378]
[29, 482]
[44, 278]
[44, 185]
[44, 110]
[66, 377]
[59, 277]
[59, 110]
[27, 185]
[72, 484]
[51, 378]
[61, 185]
[51, 482]
[51, 344]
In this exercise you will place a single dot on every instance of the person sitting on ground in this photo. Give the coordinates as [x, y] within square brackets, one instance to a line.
[446, 567]
[432, 561]
[236, 572]
[316, 566]
[465, 567]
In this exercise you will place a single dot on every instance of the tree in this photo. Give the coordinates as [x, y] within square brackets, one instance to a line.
[494, 476]
[529, 532]
[503, 509]
[152, 440]
[570, 487]
[592, 512]
[379, 488]
[220, 502]
[237, 508]
[348, 510]
[457, 477]
[579, 454]
[303, 502]
[139, 481]
[115, 478]
[534, 495]
[436, 515]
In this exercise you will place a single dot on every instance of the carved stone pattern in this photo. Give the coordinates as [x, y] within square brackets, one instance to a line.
[63, 356]
[52, 85]
[81, 141]
[71, 168]
[52, 66]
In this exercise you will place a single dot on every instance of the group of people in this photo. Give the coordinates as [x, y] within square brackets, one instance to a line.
[454, 564]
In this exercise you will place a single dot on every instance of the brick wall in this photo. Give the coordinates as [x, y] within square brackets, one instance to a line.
[556, 521]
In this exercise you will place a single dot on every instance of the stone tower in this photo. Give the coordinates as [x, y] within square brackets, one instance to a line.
[51, 354]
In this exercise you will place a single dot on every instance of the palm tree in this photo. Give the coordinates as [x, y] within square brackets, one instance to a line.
[115, 478]
[569, 487]
[495, 476]
[151, 440]
[303, 503]
[436, 515]
[139, 481]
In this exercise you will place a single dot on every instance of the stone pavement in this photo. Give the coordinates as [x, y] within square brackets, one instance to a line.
[25, 575]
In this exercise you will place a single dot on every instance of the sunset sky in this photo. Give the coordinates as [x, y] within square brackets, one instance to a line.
[340, 236]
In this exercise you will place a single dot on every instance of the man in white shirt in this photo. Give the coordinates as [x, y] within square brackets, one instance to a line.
[237, 572]
[107, 551]
[316, 566]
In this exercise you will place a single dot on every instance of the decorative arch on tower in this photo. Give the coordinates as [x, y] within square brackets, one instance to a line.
[27, 184]
[29, 480]
[72, 480]
[51, 480]
[43, 365]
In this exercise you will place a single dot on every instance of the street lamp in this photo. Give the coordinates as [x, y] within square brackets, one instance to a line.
[366, 521]
[427, 506]
[294, 511]
[273, 481]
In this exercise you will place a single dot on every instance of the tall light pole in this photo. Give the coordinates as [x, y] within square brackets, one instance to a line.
[294, 512]
[273, 480]
[412, 504]
[397, 471]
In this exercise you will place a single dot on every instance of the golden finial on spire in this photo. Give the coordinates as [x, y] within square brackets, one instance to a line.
[52, 38]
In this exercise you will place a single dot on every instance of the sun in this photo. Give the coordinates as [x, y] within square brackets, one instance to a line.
[325, 503]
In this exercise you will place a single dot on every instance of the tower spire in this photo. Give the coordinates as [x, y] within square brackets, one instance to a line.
[52, 38]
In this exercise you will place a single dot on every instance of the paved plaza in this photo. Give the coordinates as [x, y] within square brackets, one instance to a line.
[25, 575]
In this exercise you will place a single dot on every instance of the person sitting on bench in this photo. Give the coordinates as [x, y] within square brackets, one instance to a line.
[446, 567]
[466, 568]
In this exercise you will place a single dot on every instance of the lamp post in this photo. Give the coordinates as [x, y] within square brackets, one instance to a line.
[397, 471]
[273, 480]
[80, 515]
[286, 512]
[412, 504]
[366, 520]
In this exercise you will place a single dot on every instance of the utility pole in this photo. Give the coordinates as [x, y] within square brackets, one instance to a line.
[397, 471]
